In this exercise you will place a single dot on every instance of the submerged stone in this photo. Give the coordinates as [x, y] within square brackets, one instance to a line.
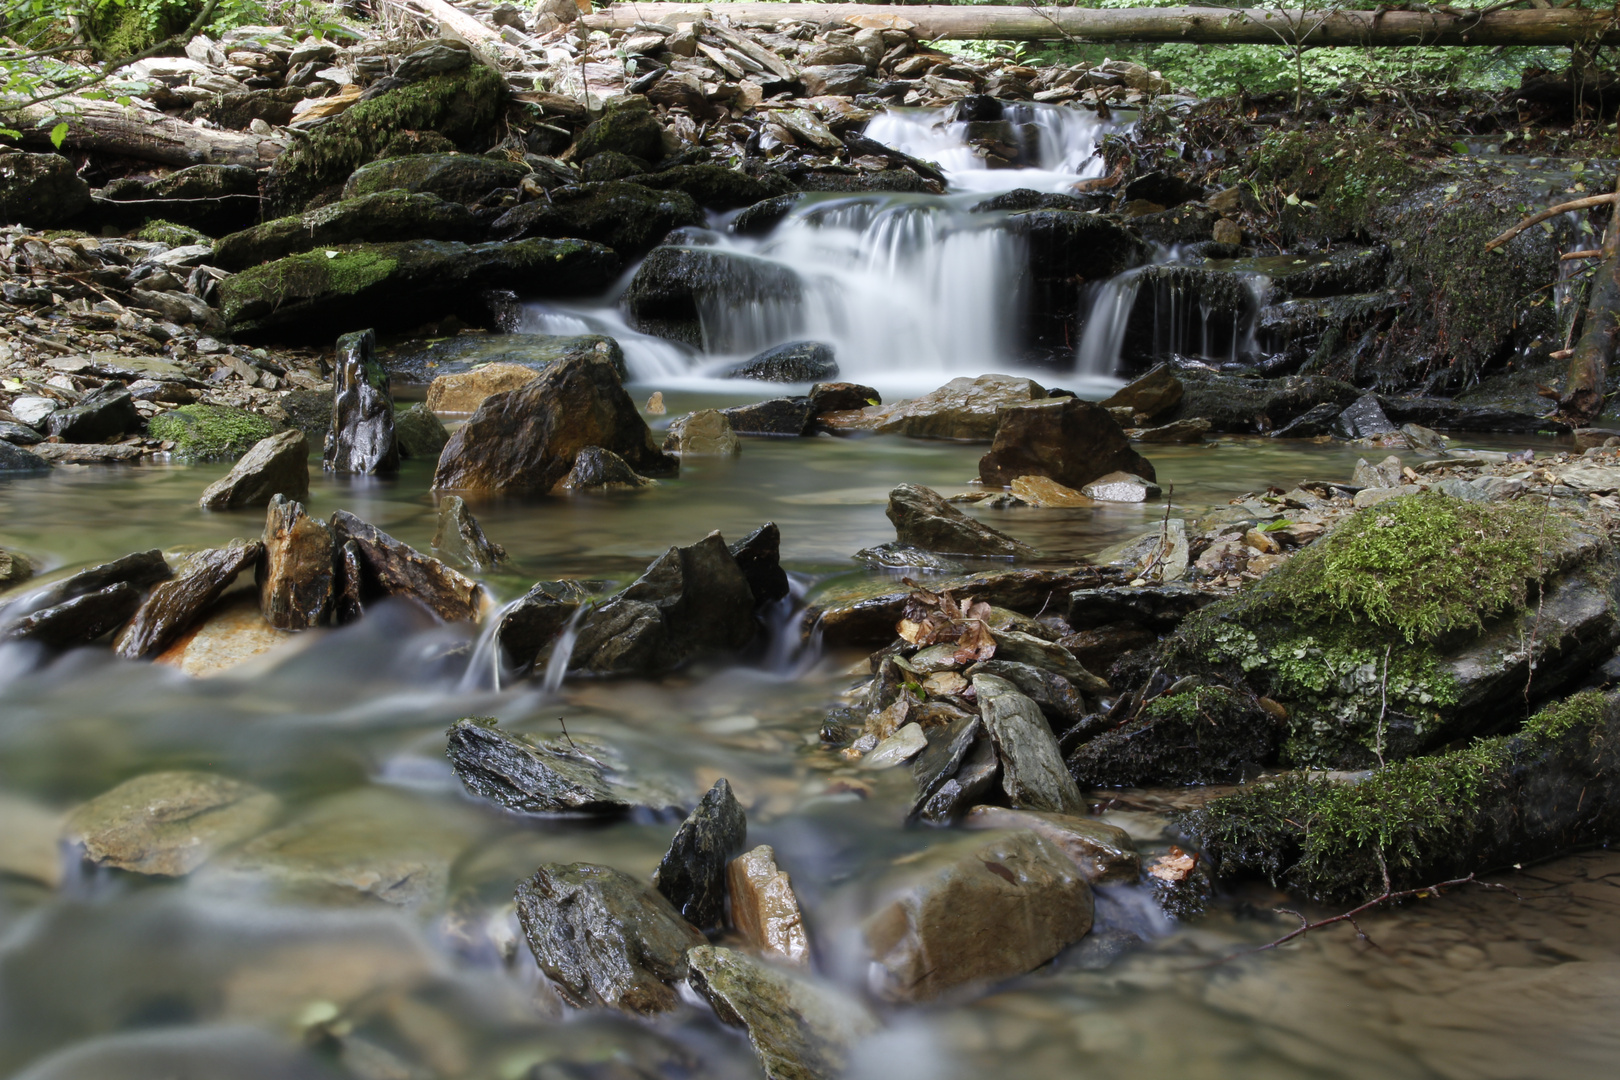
[1104, 853]
[603, 938]
[174, 605]
[167, 824]
[692, 874]
[460, 539]
[706, 432]
[548, 776]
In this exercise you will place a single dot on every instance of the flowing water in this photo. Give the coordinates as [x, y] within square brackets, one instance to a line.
[380, 941]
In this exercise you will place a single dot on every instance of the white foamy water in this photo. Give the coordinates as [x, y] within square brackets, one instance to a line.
[1061, 142]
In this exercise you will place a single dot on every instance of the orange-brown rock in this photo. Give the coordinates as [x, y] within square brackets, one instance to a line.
[1069, 440]
[465, 391]
[764, 909]
[295, 577]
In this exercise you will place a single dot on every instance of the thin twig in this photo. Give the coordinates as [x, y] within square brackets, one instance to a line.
[1551, 212]
[1383, 711]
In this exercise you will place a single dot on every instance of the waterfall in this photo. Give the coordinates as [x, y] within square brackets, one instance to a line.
[1060, 144]
[1108, 313]
[1169, 311]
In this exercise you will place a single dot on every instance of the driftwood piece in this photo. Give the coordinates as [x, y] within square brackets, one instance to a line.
[144, 134]
[1202, 25]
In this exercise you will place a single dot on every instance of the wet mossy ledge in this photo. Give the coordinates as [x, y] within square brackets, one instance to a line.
[1408, 627]
[1498, 801]
[210, 432]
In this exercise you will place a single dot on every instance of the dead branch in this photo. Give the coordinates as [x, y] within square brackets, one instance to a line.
[1552, 212]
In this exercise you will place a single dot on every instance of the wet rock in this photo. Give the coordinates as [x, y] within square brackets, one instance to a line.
[762, 217]
[947, 749]
[1032, 770]
[674, 285]
[1058, 699]
[457, 178]
[629, 218]
[548, 776]
[171, 608]
[1069, 245]
[425, 361]
[764, 909]
[464, 392]
[628, 126]
[361, 438]
[526, 440]
[1104, 853]
[976, 779]
[102, 414]
[759, 556]
[30, 844]
[923, 519]
[690, 601]
[864, 611]
[14, 568]
[14, 459]
[1166, 189]
[841, 397]
[385, 217]
[603, 938]
[278, 465]
[801, 1030]
[1046, 492]
[310, 411]
[961, 409]
[795, 362]
[1246, 406]
[167, 824]
[1071, 441]
[692, 874]
[418, 433]
[1122, 487]
[460, 539]
[20, 434]
[706, 432]
[716, 187]
[1180, 431]
[976, 909]
[529, 626]
[389, 567]
[295, 577]
[779, 416]
[1160, 555]
[139, 569]
[396, 286]
[78, 621]
[1159, 608]
[40, 190]
[596, 469]
[1363, 418]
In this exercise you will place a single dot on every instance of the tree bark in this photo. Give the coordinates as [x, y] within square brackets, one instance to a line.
[1202, 25]
[144, 134]
[1582, 402]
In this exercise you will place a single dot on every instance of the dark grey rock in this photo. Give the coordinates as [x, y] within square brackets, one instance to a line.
[1156, 607]
[173, 606]
[19, 434]
[675, 284]
[692, 874]
[456, 178]
[390, 567]
[1315, 421]
[973, 782]
[922, 519]
[555, 775]
[1032, 771]
[947, 748]
[530, 626]
[14, 459]
[139, 570]
[795, 362]
[778, 416]
[596, 469]
[759, 555]
[1363, 418]
[78, 621]
[278, 465]
[361, 438]
[434, 58]
[40, 190]
[103, 414]
[762, 217]
[1059, 701]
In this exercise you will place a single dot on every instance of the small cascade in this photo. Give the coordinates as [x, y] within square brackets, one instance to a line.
[1172, 311]
[646, 357]
[1108, 313]
[1057, 146]
[486, 669]
[562, 651]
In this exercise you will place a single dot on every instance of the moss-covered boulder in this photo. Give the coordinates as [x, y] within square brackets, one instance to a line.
[214, 199]
[629, 218]
[324, 292]
[208, 432]
[462, 106]
[460, 178]
[715, 186]
[40, 189]
[1202, 735]
[627, 127]
[1501, 800]
[1411, 625]
[380, 218]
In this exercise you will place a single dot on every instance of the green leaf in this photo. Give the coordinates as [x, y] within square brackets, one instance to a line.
[1275, 526]
[1460, 147]
[59, 135]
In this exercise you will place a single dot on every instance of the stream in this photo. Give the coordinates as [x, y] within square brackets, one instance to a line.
[301, 971]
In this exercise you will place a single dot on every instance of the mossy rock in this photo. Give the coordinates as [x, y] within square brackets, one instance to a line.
[420, 434]
[629, 127]
[629, 218]
[380, 218]
[715, 186]
[675, 284]
[130, 29]
[206, 432]
[322, 293]
[460, 178]
[214, 199]
[167, 232]
[461, 106]
[611, 165]
[1408, 627]
[239, 109]
[1551, 787]
[1204, 735]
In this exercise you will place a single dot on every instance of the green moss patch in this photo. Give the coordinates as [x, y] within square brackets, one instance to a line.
[201, 432]
[158, 231]
[1203, 735]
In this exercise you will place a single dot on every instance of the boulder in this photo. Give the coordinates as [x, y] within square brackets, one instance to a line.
[976, 909]
[552, 775]
[704, 433]
[101, 415]
[596, 469]
[715, 187]
[801, 1029]
[611, 165]
[465, 391]
[629, 218]
[1070, 245]
[1149, 395]
[764, 909]
[759, 557]
[841, 397]
[166, 824]
[434, 58]
[530, 625]
[674, 285]
[1246, 406]
[692, 874]
[1069, 440]
[385, 217]
[1059, 700]
[922, 519]
[525, 440]
[419, 433]
[295, 579]
[1362, 419]
[361, 438]
[1121, 487]
[778, 416]
[206, 432]
[40, 190]
[628, 126]
[690, 601]
[391, 568]
[278, 465]
[1104, 853]
[23, 435]
[762, 217]
[961, 409]
[456, 178]
[401, 285]
[173, 606]
[14, 459]
[1032, 771]
[460, 539]
[603, 938]
[795, 362]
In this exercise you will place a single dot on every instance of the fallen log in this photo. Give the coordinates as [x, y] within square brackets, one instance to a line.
[1201, 25]
[1589, 363]
[144, 134]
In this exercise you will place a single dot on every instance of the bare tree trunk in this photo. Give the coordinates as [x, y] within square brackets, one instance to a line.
[1589, 364]
[144, 134]
[1203, 25]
